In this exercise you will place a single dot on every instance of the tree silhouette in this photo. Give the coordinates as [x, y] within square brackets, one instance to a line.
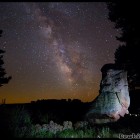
[124, 15]
[3, 79]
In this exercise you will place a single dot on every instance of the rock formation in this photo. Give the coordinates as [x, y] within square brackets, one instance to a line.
[113, 100]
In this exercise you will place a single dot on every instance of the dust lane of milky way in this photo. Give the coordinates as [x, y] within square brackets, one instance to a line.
[55, 49]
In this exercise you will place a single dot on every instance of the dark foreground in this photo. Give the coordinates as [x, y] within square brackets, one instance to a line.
[60, 119]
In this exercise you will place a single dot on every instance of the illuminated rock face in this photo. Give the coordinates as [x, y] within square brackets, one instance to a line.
[113, 100]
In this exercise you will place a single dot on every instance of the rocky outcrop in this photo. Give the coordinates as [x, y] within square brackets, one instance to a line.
[113, 100]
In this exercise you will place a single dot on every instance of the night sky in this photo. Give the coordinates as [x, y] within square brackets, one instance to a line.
[55, 50]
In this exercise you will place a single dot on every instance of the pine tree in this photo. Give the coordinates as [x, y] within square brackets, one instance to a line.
[3, 79]
[124, 15]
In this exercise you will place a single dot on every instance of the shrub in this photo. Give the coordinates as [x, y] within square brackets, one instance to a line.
[89, 133]
[36, 131]
[106, 132]
[68, 133]
[44, 118]
[19, 120]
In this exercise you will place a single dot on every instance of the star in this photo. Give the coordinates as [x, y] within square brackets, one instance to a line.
[55, 50]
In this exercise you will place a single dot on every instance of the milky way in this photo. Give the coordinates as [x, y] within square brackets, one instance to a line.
[67, 58]
[55, 50]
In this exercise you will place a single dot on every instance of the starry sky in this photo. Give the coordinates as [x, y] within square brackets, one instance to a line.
[55, 50]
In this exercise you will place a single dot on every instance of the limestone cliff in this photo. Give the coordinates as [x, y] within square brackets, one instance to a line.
[113, 100]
